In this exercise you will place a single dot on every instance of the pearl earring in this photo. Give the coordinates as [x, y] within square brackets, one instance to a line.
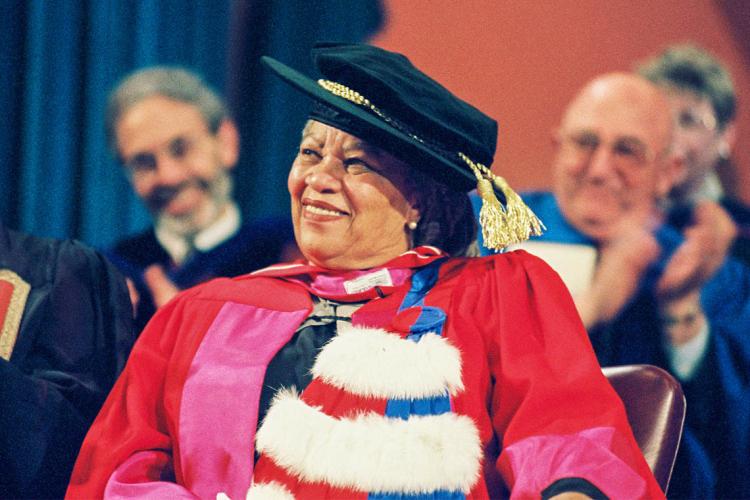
[412, 225]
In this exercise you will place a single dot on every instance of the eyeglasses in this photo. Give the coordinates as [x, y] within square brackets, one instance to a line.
[694, 120]
[626, 151]
[178, 148]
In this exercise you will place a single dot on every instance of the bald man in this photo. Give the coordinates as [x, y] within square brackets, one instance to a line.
[613, 159]
[652, 297]
[611, 169]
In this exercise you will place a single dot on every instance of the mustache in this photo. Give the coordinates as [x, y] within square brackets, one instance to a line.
[161, 196]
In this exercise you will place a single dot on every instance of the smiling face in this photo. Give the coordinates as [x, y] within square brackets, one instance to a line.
[697, 137]
[612, 163]
[350, 203]
[177, 166]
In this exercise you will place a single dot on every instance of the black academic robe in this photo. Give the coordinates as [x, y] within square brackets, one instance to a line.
[254, 246]
[69, 341]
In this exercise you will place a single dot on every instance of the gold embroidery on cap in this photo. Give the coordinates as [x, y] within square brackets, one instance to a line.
[501, 226]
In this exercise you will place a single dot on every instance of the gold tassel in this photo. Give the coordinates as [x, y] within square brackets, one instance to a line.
[491, 216]
[502, 226]
[521, 222]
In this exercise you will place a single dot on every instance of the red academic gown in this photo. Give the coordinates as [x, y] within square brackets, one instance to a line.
[528, 408]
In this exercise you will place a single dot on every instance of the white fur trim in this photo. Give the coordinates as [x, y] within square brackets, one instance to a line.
[436, 251]
[374, 363]
[370, 452]
[269, 491]
[277, 267]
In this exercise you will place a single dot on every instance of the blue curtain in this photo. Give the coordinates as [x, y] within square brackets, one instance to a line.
[60, 58]
[270, 114]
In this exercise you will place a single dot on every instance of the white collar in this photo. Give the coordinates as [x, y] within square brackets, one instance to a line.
[223, 228]
[685, 358]
[710, 190]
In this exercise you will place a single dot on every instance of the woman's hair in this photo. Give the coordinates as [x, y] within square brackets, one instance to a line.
[446, 217]
[691, 68]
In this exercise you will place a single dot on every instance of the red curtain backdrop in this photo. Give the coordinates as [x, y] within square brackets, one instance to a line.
[523, 61]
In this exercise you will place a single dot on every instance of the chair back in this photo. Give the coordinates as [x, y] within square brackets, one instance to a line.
[655, 406]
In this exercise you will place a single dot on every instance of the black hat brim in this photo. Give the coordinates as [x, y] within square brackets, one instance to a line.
[376, 131]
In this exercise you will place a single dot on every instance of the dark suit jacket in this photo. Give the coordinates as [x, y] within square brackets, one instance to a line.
[254, 246]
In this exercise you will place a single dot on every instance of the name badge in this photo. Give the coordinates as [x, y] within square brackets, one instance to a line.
[367, 281]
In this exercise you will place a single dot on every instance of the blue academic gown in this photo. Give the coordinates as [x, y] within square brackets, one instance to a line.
[714, 458]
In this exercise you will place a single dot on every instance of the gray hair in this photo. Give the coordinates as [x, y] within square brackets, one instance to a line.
[688, 67]
[172, 82]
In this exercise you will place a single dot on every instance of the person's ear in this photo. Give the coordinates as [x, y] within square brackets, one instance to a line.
[727, 140]
[672, 172]
[229, 143]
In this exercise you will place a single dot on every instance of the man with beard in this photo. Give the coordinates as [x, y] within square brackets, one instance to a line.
[178, 144]
[654, 296]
